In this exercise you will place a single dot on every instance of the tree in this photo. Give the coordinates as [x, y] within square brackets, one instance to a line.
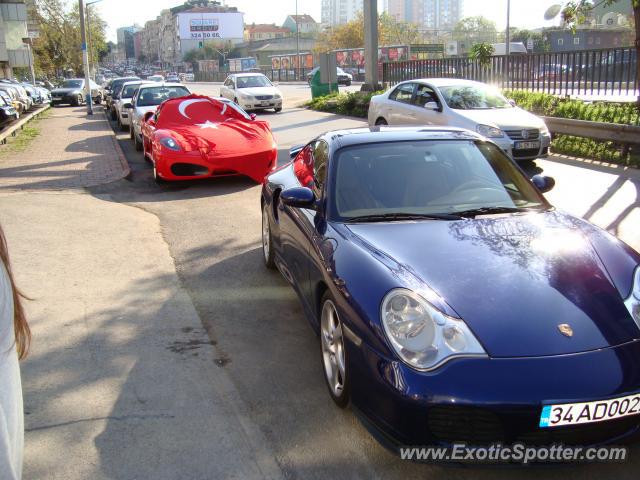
[578, 11]
[540, 45]
[58, 48]
[474, 30]
[351, 34]
[482, 52]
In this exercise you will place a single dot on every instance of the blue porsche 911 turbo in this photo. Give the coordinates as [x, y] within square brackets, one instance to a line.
[453, 302]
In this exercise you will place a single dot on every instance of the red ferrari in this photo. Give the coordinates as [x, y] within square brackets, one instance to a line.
[197, 137]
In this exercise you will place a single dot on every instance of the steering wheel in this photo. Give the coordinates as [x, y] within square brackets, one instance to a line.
[473, 183]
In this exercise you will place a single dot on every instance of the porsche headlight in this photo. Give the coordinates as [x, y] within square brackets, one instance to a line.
[422, 336]
[170, 143]
[489, 131]
[633, 301]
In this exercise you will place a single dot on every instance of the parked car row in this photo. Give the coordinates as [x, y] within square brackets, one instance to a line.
[17, 98]
[442, 284]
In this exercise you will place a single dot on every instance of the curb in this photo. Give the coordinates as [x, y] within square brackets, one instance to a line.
[122, 157]
[19, 125]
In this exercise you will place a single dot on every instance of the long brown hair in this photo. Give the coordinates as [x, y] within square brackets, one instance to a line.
[20, 325]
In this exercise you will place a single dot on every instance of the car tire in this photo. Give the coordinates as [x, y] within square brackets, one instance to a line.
[75, 102]
[131, 134]
[98, 100]
[267, 239]
[114, 115]
[381, 121]
[122, 126]
[333, 352]
[137, 143]
[156, 177]
[278, 109]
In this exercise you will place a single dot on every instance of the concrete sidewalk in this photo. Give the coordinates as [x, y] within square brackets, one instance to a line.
[72, 150]
[122, 381]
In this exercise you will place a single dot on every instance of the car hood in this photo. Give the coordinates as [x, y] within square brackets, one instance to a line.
[514, 279]
[142, 110]
[503, 117]
[259, 91]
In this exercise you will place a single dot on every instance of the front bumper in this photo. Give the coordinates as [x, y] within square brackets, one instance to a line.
[482, 401]
[64, 99]
[509, 145]
[256, 104]
[192, 165]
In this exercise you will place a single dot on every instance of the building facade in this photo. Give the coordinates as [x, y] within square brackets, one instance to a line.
[589, 39]
[427, 14]
[337, 12]
[126, 40]
[13, 28]
[262, 31]
[305, 23]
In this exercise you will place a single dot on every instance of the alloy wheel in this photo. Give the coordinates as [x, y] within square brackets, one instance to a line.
[332, 348]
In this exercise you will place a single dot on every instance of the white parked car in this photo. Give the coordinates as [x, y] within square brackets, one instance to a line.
[124, 97]
[252, 91]
[467, 104]
[146, 99]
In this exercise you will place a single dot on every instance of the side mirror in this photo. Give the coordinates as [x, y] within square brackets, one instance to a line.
[128, 105]
[253, 116]
[543, 183]
[432, 106]
[512, 102]
[295, 150]
[298, 197]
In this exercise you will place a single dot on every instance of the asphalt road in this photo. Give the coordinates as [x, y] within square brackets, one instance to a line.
[257, 326]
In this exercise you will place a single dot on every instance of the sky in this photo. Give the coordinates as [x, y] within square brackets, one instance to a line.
[120, 13]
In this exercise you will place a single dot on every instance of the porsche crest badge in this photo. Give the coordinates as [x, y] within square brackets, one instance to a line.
[565, 329]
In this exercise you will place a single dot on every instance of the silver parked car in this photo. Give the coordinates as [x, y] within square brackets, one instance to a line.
[252, 91]
[467, 104]
[146, 99]
[122, 98]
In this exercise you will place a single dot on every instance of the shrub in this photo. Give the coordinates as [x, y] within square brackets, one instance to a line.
[609, 112]
[354, 104]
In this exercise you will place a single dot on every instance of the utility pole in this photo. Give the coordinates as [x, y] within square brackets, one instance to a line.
[370, 10]
[85, 59]
[507, 42]
[297, 43]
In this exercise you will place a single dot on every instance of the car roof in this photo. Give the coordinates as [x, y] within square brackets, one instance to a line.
[360, 136]
[249, 74]
[445, 82]
[162, 84]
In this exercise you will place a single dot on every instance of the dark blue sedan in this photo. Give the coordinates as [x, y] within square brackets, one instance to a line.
[453, 302]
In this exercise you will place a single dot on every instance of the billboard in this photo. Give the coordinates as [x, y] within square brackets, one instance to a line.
[214, 26]
[242, 64]
[285, 62]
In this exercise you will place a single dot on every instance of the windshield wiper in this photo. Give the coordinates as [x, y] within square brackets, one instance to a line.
[398, 216]
[474, 212]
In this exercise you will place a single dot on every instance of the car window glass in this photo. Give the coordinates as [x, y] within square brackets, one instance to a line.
[320, 161]
[156, 95]
[403, 93]
[424, 95]
[303, 167]
[427, 177]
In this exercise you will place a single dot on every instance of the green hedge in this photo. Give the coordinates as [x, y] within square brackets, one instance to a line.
[354, 104]
[608, 112]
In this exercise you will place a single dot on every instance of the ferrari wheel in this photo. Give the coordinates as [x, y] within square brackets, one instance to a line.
[334, 355]
[267, 242]
[157, 178]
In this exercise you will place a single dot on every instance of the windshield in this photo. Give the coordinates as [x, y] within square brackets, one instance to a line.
[156, 95]
[254, 81]
[129, 90]
[72, 84]
[473, 97]
[156, 78]
[427, 178]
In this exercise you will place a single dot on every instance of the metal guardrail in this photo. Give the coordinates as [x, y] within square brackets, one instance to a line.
[11, 130]
[623, 134]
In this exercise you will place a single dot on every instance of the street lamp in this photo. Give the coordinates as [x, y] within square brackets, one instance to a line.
[85, 55]
[89, 33]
